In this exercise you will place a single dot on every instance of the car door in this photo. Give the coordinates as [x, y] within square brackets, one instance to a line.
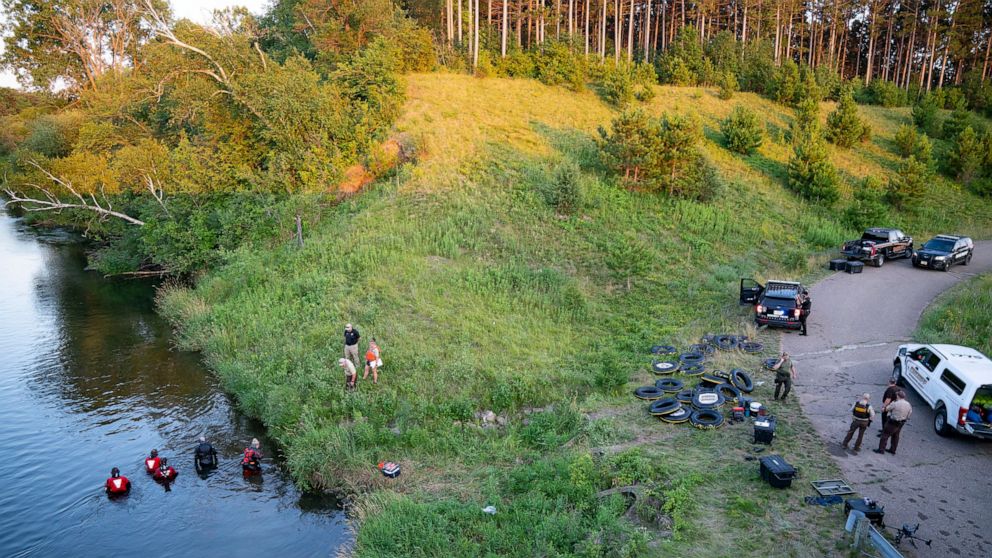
[751, 291]
[960, 251]
[897, 243]
[917, 372]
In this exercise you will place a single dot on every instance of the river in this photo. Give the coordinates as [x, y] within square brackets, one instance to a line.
[89, 381]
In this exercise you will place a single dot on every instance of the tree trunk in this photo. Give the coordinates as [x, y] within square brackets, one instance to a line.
[502, 44]
[871, 40]
[985, 65]
[630, 34]
[646, 21]
[475, 37]
[602, 34]
[459, 22]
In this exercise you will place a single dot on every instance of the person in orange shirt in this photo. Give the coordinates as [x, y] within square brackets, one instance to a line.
[372, 362]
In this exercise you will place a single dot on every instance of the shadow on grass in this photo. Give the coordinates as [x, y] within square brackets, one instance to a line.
[770, 167]
[574, 144]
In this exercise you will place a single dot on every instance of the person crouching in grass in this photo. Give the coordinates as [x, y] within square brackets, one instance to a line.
[350, 375]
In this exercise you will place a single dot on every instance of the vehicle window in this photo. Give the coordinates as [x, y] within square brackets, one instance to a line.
[875, 237]
[939, 245]
[783, 302]
[931, 362]
[953, 382]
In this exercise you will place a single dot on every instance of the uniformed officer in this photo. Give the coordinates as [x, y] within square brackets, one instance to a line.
[862, 415]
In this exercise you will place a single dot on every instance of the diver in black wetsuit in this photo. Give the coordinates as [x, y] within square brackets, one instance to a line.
[205, 456]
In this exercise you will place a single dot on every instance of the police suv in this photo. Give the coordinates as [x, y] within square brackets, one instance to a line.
[951, 379]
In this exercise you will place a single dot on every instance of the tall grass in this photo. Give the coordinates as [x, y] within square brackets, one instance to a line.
[961, 316]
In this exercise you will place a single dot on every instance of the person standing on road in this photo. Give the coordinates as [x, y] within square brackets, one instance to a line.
[351, 337]
[863, 414]
[899, 412]
[805, 305]
[785, 373]
[888, 397]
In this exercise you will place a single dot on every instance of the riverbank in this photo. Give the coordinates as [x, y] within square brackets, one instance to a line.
[484, 299]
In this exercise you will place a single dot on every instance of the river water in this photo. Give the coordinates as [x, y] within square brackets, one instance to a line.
[89, 381]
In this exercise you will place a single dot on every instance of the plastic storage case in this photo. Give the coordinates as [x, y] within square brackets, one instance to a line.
[873, 512]
[838, 265]
[764, 430]
[776, 471]
[855, 267]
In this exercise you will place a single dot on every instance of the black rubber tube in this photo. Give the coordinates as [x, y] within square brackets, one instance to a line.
[729, 392]
[713, 379]
[769, 362]
[663, 350]
[664, 367]
[701, 348]
[751, 347]
[669, 385]
[706, 418]
[664, 406]
[725, 342]
[741, 380]
[692, 358]
[722, 374]
[677, 417]
[685, 396]
[648, 393]
[704, 399]
[693, 370]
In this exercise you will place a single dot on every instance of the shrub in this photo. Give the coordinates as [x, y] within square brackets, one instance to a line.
[516, 64]
[844, 128]
[867, 209]
[618, 86]
[807, 119]
[886, 94]
[631, 145]
[627, 257]
[556, 64]
[964, 159]
[954, 98]
[700, 181]
[563, 190]
[829, 82]
[758, 70]
[811, 174]
[645, 78]
[742, 130]
[724, 51]
[684, 63]
[807, 87]
[959, 120]
[728, 85]
[906, 138]
[787, 83]
[909, 184]
[925, 114]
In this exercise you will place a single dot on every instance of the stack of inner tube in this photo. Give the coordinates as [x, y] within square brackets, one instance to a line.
[677, 417]
[665, 367]
[725, 342]
[706, 418]
[751, 347]
[706, 399]
[713, 379]
[648, 393]
[702, 348]
[669, 385]
[693, 370]
[664, 406]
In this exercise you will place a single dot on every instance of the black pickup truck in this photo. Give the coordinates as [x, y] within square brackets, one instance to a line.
[877, 245]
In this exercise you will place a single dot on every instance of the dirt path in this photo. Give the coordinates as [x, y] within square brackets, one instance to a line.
[856, 325]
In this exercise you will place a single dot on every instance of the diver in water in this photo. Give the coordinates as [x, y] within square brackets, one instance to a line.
[251, 464]
[165, 473]
[117, 485]
[205, 456]
[152, 462]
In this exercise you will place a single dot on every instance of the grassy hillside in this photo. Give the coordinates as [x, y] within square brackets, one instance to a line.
[961, 316]
[483, 298]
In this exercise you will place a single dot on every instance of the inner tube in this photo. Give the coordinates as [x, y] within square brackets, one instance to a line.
[705, 349]
[693, 370]
[692, 358]
[769, 362]
[722, 374]
[725, 342]
[685, 396]
[729, 392]
[663, 350]
[713, 379]
[677, 417]
[751, 347]
[664, 406]
[742, 339]
[648, 393]
[664, 367]
[669, 385]
[708, 399]
[740, 380]
[706, 418]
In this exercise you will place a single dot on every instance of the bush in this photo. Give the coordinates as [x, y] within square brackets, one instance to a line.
[684, 63]
[964, 159]
[758, 71]
[844, 128]
[909, 184]
[516, 64]
[556, 64]
[631, 145]
[807, 87]
[829, 82]
[742, 130]
[786, 83]
[925, 114]
[867, 209]
[959, 120]
[807, 119]
[811, 174]
[728, 85]
[906, 138]
[886, 94]
[618, 86]
[563, 190]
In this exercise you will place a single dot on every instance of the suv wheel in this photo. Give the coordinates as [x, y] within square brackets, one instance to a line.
[967, 259]
[897, 374]
[947, 265]
[880, 260]
[941, 424]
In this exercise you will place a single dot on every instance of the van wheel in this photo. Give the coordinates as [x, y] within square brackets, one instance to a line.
[897, 374]
[941, 424]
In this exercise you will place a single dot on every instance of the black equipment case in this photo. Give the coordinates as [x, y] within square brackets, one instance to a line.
[838, 265]
[763, 434]
[855, 267]
[777, 471]
[873, 512]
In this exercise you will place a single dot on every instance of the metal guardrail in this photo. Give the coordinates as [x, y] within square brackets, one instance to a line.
[867, 537]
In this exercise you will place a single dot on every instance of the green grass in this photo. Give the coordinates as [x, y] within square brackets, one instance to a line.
[961, 316]
[482, 298]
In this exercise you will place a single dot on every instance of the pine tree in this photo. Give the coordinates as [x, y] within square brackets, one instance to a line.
[844, 128]
[909, 184]
[811, 174]
[925, 114]
[728, 85]
[867, 208]
[742, 130]
[906, 138]
[964, 160]
[959, 120]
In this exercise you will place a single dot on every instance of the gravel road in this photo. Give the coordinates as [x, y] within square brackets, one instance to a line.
[856, 325]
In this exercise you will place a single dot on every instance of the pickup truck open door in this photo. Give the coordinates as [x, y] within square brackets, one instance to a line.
[751, 291]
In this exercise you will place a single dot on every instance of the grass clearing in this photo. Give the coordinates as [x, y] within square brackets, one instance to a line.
[482, 298]
[961, 315]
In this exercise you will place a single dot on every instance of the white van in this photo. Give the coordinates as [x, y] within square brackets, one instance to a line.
[949, 378]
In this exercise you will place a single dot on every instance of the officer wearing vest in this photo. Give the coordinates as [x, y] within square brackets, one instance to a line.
[862, 415]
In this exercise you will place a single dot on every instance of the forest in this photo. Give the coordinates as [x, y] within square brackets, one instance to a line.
[516, 199]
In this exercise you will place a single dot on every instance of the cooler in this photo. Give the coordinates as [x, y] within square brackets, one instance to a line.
[838, 265]
[855, 267]
[764, 430]
[776, 471]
